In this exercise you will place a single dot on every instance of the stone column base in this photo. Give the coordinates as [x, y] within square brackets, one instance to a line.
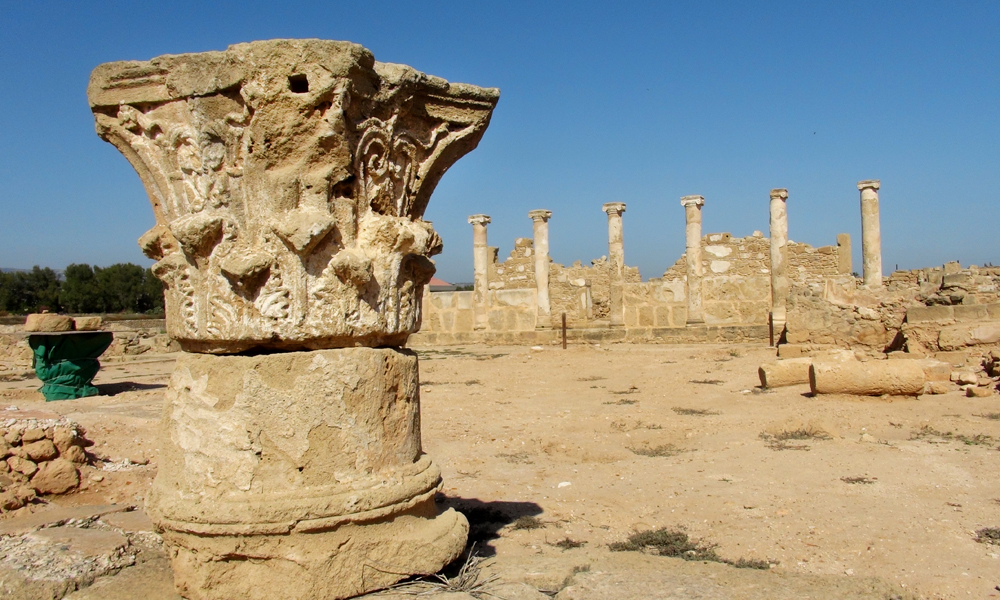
[298, 475]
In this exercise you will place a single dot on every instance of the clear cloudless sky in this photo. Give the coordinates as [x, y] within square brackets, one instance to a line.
[601, 101]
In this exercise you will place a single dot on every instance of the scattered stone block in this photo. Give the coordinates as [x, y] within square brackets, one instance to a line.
[939, 387]
[957, 358]
[48, 322]
[964, 378]
[87, 323]
[22, 465]
[40, 451]
[972, 334]
[920, 314]
[979, 392]
[75, 455]
[56, 477]
[32, 435]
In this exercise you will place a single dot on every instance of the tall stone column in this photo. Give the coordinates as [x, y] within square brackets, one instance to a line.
[540, 220]
[616, 254]
[871, 233]
[480, 268]
[288, 179]
[779, 261]
[692, 234]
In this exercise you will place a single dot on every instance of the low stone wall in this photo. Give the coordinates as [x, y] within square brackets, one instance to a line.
[937, 328]
[841, 313]
[598, 335]
[653, 304]
[454, 312]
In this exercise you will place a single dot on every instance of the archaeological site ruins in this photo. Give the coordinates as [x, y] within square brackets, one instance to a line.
[288, 181]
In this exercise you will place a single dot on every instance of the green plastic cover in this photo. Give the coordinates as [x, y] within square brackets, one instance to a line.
[67, 364]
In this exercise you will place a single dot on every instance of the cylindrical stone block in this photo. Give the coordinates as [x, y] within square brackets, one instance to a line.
[692, 243]
[871, 233]
[872, 378]
[791, 371]
[616, 256]
[298, 475]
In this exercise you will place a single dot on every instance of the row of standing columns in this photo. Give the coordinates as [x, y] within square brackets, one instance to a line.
[871, 248]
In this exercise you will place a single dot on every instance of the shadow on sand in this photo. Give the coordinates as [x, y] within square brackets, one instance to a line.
[486, 519]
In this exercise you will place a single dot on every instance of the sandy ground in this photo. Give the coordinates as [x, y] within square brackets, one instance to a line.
[879, 490]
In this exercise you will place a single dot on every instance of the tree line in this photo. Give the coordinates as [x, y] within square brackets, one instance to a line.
[82, 289]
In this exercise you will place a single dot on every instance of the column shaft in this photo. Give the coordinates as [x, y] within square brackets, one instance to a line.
[540, 219]
[692, 213]
[779, 260]
[616, 257]
[871, 234]
[480, 267]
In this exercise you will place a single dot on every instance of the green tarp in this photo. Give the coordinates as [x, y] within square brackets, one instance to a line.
[67, 363]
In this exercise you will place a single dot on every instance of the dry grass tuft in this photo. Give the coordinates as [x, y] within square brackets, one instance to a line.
[677, 544]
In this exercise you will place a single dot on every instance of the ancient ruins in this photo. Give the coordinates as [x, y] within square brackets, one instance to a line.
[288, 179]
[760, 288]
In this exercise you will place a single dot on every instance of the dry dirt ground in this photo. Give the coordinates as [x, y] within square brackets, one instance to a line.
[845, 497]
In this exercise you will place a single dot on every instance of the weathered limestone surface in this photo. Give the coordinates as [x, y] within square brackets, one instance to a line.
[540, 225]
[480, 268]
[779, 259]
[298, 475]
[871, 378]
[288, 179]
[616, 253]
[48, 322]
[692, 214]
[794, 371]
[871, 233]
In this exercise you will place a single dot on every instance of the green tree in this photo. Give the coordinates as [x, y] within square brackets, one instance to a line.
[152, 294]
[121, 286]
[81, 291]
[30, 291]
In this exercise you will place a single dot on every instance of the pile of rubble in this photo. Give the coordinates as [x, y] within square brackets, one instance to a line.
[39, 457]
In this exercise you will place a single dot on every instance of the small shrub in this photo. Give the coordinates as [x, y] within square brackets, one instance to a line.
[988, 535]
[568, 544]
[693, 412]
[517, 457]
[926, 432]
[527, 522]
[863, 480]
[677, 544]
[661, 450]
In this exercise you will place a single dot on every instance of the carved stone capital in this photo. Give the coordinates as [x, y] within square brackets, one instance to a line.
[869, 183]
[614, 208]
[288, 179]
[698, 201]
[779, 194]
[540, 215]
[480, 219]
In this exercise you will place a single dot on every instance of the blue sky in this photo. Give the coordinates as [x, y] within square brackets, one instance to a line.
[634, 102]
